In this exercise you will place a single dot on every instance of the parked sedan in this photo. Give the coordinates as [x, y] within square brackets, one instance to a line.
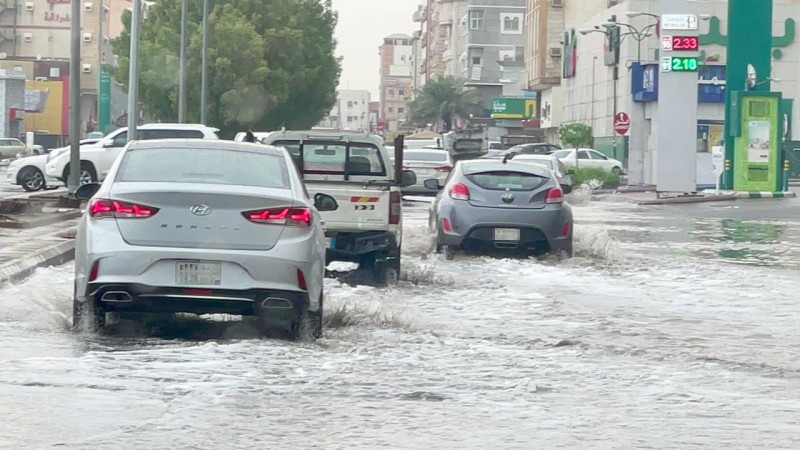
[215, 227]
[563, 175]
[29, 173]
[427, 164]
[522, 149]
[492, 205]
[587, 157]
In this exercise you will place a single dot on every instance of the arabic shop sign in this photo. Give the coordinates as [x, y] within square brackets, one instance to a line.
[514, 108]
[715, 36]
[53, 17]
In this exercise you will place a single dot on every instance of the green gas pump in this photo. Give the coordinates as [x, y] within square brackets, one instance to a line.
[756, 130]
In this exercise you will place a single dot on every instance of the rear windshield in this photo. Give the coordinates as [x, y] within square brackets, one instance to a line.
[169, 134]
[562, 153]
[507, 180]
[425, 156]
[332, 158]
[208, 166]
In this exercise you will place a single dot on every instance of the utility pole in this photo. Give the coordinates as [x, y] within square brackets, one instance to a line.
[204, 69]
[75, 99]
[182, 70]
[133, 71]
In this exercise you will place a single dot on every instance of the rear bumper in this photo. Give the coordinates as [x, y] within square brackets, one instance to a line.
[355, 247]
[134, 297]
[540, 230]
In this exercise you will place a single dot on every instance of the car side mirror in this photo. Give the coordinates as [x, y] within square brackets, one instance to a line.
[324, 202]
[432, 184]
[87, 191]
[567, 188]
[408, 178]
[108, 144]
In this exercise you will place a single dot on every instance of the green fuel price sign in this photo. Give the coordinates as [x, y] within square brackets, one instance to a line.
[679, 64]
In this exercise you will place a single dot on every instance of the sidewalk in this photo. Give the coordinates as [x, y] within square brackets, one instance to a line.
[24, 250]
[646, 196]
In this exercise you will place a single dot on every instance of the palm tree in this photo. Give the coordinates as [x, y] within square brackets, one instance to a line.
[444, 99]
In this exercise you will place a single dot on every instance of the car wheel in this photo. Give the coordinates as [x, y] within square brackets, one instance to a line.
[31, 179]
[449, 252]
[307, 326]
[88, 174]
[87, 316]
[616, 171]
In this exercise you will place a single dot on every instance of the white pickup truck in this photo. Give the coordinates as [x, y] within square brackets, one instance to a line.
[355, 169]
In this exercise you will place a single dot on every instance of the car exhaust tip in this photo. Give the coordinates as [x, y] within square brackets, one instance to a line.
[116, 297]
[276, 303]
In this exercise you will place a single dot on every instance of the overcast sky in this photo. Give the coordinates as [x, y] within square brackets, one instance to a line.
[362, 26]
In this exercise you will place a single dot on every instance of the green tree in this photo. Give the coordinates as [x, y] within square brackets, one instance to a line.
[576, 135]
[444, 99]
[269, 66]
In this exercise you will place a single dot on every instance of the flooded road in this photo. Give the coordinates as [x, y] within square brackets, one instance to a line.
[672, 328]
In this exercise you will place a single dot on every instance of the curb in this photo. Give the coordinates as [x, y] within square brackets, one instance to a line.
[789, 194]
[686, 200]
[52, 255]
[48, 219]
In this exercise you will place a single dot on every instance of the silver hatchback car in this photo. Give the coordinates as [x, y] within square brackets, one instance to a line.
[213, 227]
[489, 205]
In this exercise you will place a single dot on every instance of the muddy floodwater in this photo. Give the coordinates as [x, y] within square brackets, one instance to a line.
[669, 329]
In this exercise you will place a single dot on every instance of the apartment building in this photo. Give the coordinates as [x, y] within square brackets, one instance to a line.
[397, 84]
[494, 47]
[35, 36]
[351, 111]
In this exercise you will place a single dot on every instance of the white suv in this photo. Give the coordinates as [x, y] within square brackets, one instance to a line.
[97, 159]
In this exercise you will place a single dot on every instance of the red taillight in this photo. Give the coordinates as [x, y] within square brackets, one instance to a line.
[395, 208]
[301, 280]
[293, 217]
[197, 292]
[555, 195]
[102, 207]
[446, 224]
[565, 229]
[443, 168]
[94, 271]
[459, 191]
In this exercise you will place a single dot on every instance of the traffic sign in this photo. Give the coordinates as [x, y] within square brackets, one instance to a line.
[622, 123]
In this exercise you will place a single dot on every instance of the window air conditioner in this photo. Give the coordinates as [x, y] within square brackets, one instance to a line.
[87, 37]
[555, 52]
[88, 6]
[87, 68]
[27, 37]
[557, 3]
[28, 6]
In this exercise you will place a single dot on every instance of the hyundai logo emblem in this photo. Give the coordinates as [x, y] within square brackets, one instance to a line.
[508, 197]
[200, 210]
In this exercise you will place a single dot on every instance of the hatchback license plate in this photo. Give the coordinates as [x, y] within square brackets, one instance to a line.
[198, 273]
[506, 234]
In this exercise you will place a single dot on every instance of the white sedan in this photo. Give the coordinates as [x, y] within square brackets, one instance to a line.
[588, 157]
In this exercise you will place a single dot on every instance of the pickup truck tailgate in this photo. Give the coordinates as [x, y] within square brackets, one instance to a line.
[359, 209]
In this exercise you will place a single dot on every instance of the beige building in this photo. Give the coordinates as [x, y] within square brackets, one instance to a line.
[35, 36]
[397, 83]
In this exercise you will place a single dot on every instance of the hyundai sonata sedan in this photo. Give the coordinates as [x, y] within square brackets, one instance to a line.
[489, 205]
[214, 227]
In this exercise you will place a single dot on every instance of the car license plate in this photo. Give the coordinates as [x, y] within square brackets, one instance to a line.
[506, 234]
[331, 242]
[198, 273]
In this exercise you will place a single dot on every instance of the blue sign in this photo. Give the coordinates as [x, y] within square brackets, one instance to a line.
[710, 83]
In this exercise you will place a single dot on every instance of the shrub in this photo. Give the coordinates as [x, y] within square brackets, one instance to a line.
[603, 178]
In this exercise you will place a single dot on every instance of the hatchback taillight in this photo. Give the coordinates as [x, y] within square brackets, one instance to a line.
[443, 168]
[100, 208]
[293, 217]
[395, 208]
[555, 195]
[459, 191]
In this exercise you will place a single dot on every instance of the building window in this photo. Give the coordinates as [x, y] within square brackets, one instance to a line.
[511, 23]
[349, 104]
[476, 56]
[476, 19]
[401, 110]
[391, 92]
[476, 60]
[391, 109]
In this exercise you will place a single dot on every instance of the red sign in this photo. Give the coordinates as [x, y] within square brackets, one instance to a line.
[685, 43]
[622, 123]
